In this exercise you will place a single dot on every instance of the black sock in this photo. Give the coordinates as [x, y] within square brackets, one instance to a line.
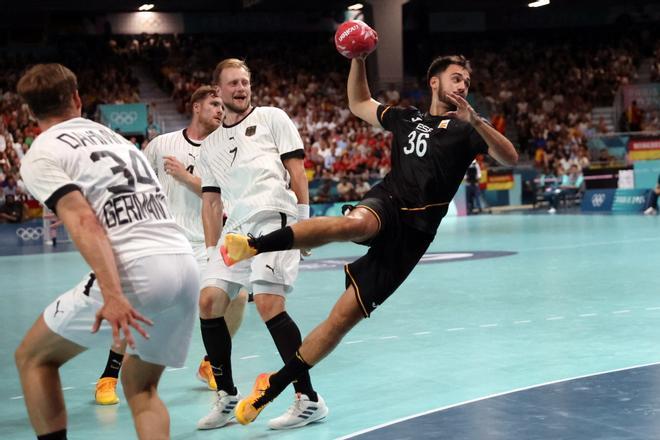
[280, 380]
[217, 342]
[113, 365]
[287, 339]
[279, 240]
[58, 435]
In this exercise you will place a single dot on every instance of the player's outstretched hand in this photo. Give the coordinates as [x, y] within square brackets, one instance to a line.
[121, 315]
[464, 110]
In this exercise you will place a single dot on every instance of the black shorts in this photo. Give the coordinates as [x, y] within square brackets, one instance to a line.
[393, 253]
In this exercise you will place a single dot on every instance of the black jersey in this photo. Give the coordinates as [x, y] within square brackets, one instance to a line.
[430, 155]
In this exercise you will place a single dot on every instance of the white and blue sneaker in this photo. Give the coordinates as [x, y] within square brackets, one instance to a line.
[302, 412]
[222, 411]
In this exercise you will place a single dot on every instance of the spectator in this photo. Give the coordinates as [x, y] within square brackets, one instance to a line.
[651, 207]
[323, 194]
[361, 188]
[12, 210]
[346, 190]
[392, 96]
[634, 117]
[473, 191]
[570, 186]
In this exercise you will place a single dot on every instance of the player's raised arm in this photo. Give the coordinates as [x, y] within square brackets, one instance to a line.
[360, 101]
[355, 40]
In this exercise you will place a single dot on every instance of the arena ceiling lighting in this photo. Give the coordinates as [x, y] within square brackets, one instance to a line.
[146, 7]
[356, 7]
[538, 3]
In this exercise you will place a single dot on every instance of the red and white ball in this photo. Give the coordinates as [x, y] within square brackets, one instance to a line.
[355, 38]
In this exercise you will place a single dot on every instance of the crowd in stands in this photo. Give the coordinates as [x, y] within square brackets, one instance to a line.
[343, 154]
[538, 91]
[103, 78]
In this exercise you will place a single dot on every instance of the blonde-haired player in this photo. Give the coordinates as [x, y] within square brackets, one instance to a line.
[174, 158]
[255, 163]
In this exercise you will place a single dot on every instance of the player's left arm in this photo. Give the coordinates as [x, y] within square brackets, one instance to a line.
[499, 147]
[299, 185]
[176, 169]
[296, 168]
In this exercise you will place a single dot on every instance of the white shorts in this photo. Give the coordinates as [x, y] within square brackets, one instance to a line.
[199, 252]
[270, 272]
[164, 288]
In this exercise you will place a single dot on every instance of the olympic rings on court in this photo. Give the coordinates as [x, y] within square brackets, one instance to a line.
[30, 233]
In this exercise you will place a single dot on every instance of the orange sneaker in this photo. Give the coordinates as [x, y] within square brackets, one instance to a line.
[205, 374]
[245, 411]
[236, 248]
[106, 391]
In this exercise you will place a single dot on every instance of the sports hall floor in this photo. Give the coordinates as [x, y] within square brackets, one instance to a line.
[518, 327]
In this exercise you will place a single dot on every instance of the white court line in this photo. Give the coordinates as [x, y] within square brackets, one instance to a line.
[15, 397]
[176, 369]
[598, 243]
[353, 342]
[389, 337]
[421, 333]
[250, 357]
[652, 308]
[467, 402]
[526, 321]
[586, 315]
[617, 312]
[488, 325]
[554, 318]
[68, 388]
[455, 329]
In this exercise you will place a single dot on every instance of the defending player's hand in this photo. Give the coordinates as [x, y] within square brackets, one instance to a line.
[464, 110]
[121, 316]
[175, 168]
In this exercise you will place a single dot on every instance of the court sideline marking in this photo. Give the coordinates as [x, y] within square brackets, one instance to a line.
[467, 402]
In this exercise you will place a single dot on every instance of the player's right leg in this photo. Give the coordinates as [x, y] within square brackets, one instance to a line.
[233, 314]
[213, 303]
[319, 343]
[140, 382]
[38, 359]
[361, 224]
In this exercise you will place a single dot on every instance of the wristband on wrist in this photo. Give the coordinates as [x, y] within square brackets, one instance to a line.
[303, 212]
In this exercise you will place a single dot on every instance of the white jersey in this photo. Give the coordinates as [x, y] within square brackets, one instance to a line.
[185, 205]
[244, 162]
[116, 180]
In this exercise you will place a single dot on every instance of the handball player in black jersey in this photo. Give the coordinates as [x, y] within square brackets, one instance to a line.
[397, 219]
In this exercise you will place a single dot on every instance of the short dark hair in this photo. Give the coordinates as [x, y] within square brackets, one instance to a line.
[47, 89]
[441, 64]
[202, 93]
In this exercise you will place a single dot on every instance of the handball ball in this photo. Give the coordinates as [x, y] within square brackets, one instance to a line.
[354, 38]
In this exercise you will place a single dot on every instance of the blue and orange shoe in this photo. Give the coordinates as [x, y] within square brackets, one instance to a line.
[236, 248]
[246, 413]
